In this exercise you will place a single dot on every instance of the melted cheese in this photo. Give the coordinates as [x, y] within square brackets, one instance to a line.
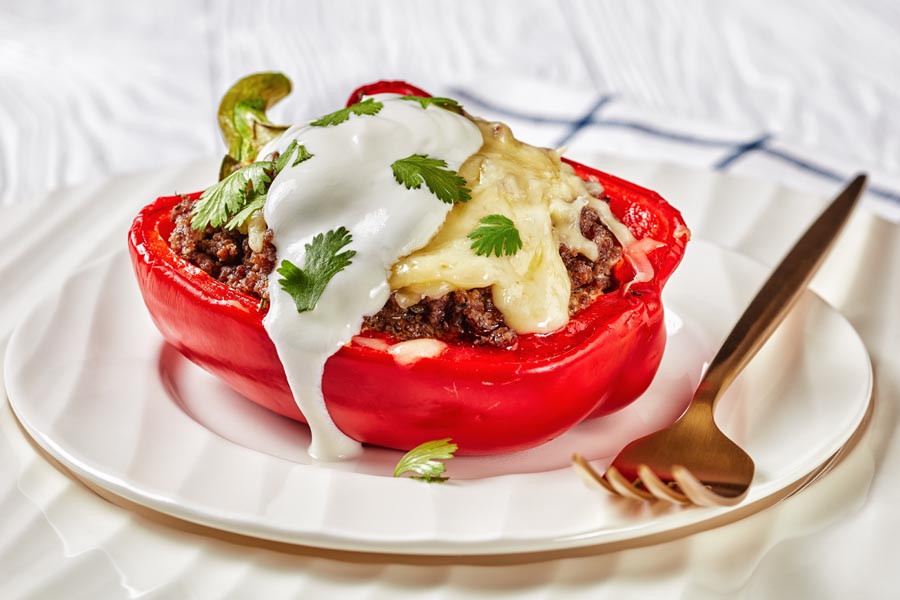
[544, 198]
[256, 231]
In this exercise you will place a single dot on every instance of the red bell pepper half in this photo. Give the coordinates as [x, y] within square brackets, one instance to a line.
[488, 400]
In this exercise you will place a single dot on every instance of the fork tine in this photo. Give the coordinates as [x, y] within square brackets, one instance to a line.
[625, 487]
[590, 475]
[697, 492]
[659, 489]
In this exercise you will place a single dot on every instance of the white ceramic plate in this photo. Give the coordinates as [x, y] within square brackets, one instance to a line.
[92, 382]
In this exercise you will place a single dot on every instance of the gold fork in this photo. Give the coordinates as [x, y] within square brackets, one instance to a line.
[692, 461]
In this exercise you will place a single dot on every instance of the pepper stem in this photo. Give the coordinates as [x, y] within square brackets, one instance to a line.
[243, 121]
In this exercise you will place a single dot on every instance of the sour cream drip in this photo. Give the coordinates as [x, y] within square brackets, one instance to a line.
[349, 182]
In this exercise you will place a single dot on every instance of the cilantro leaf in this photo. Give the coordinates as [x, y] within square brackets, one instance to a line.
[444, 183]
[284, 158]
[367, 107]
[242, 216]
[243, 192]
[425, 460]
[218, 202]
[448, 103]
[322, 262]
[302, 155]
[496, 235]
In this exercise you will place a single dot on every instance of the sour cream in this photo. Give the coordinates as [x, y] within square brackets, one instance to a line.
[349, 183]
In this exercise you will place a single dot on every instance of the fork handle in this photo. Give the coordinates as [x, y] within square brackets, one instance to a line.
[777, 295]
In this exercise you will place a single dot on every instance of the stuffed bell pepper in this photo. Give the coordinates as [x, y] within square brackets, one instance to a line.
[400, 271]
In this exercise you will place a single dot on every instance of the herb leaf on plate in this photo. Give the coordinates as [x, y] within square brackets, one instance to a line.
[425, 460]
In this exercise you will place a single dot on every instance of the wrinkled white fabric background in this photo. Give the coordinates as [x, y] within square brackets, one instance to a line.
[96, 89]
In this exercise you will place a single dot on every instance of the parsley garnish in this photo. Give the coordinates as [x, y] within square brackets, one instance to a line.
[444, 183]
[425, 460]
[302, 155]
[245, 213]
[496, 235]
[322, 262]
[234, 199]
[448, 103]
[220, 201]
[367, 107]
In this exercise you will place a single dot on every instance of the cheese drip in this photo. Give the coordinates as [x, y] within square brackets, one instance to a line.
[544, 198]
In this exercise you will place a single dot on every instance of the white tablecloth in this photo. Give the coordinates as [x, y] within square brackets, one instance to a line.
[93, 89]
[804, 92]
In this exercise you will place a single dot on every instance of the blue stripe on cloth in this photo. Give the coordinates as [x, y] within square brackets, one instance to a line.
[740, 150]
[467, 97]
[582, 122]
[805, 165]
[666, 134]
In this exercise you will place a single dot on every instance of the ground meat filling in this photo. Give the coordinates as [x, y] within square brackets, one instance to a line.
[465, 316]
[225, 254]
[591, 278]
